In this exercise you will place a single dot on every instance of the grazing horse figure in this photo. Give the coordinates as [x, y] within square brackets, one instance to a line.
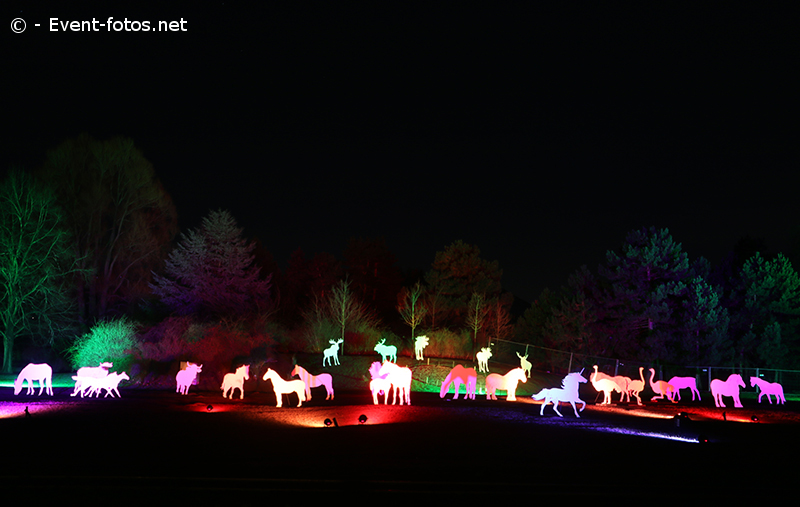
[323, 379]
[42, 373]
[282, 387]
[567, 393]
[91, 372]
[387, 352]
[507, 382]
[233, 381]
[378, 384]
[525, 364]
[400, 377]
[683, 383]
[460, 375]
[730, 387]
[483, 359]
[419, 345]
[768, 388]
[184, 378]
[332, 352]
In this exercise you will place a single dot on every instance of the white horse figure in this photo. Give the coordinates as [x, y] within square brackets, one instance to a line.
[730, 387]
[507, 382]
[400, 378]
[91, 372]
[282, 387]
[110, 383]
[42, 373]
[419, 345]
[684, 383]
[524, 363]
[184, 378]
[378, 384]
[460, 375]
[387, 352]
[483, 359]
[332, 352]
[768, 388]
[323, 379]
[233, 381]
[567, 393]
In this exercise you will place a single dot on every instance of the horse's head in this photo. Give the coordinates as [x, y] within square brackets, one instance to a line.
[17, 386]
[267, 374]
[519, 373]
[295, 371]
[753, 381]
[246, 371]
[740, 381]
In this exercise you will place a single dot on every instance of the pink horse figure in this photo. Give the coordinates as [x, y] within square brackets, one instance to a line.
[768, 388]
[42, 373]
[323, 379]
[460, 375]
[378, 384]
[730, 387]
[400, 377]
[184, 378]
[683, 383]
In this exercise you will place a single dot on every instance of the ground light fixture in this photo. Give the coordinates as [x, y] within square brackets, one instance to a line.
[209, 408]
[362, 419]
[331, 422]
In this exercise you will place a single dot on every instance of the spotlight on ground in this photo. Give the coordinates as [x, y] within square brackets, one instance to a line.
[209, 408]
[362, 419]
[328, 423]
[754, 418]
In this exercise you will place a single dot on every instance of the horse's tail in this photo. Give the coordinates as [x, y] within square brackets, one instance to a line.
[540, 395]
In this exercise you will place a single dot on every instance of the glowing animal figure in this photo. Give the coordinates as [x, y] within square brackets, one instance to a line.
[282, 387]
[507, 382]
[378, 384]
[568, 392]
[636, 386]
[661, 388]
[323, 379]
[42, 373]
[621, 381]
[110, 383]
[233, 381]
[730, 387]
[419, 345]
[768, 388]
[91, 372]
[683, 383]
[400, 378]
[387, 352]
[332, 352]
[605, 384]
[184, 378]
[525, 364]
[483, 359]
[460, 375]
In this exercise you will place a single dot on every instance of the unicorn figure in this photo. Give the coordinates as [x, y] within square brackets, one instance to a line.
[567, 393]
[233, 381]
[730, 387]
[483, 359]
[419, 345]
[184, 378]
[42, 373]
[768, 388]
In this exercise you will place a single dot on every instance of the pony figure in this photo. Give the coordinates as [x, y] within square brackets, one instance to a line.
[282, 387]
[378, 384]
[730, 387]
[661, 388]
[332, 352]
[90, 372]
[109, 383]
[400, 378]
[683, 383]
[507, 382]
[460, 375]
[419, 345]
[42, 373]
[387, 352]
[323, 379]
[768, 388]
[483, 359]
[568, 392]
[525, 364]
[184, 378]
[233, 381]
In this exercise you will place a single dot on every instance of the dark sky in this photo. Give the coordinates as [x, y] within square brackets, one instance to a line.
[540, 134]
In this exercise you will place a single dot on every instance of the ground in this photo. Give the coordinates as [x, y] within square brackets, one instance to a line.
[156, 445]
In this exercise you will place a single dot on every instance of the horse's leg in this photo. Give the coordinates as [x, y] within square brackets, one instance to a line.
[555, 407]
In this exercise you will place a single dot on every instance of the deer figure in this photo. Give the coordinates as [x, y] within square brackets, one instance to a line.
[525, 364]
[332, 352]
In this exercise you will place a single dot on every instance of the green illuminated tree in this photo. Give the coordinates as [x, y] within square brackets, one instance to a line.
[35, 261]
[477, 310]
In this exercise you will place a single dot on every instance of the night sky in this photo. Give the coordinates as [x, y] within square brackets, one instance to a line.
[541, 134]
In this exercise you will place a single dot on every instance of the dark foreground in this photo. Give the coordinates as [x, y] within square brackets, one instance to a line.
[159, 447]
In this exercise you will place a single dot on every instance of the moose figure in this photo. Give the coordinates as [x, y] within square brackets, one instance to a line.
[419, 345]
[386, 351]
[332, 352]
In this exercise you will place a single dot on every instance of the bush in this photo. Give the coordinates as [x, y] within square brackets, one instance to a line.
[113, 341]
[446, 343]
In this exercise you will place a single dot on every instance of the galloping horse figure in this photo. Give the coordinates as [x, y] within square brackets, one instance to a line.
[730, 387]
[567, 393]
[233, 381]
[323, 379]
[282, 387]
[42, 373]
[90, 372]
[507, 382]
[460, 375]
[768, 388]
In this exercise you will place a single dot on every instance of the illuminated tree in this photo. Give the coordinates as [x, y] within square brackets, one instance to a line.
[476, 315]
[411, 307]
[35, 261]
[112, 341]
[212, 272]
[120, 217]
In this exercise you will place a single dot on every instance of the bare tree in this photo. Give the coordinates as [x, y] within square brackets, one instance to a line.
[411, 307]
[476, 315]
